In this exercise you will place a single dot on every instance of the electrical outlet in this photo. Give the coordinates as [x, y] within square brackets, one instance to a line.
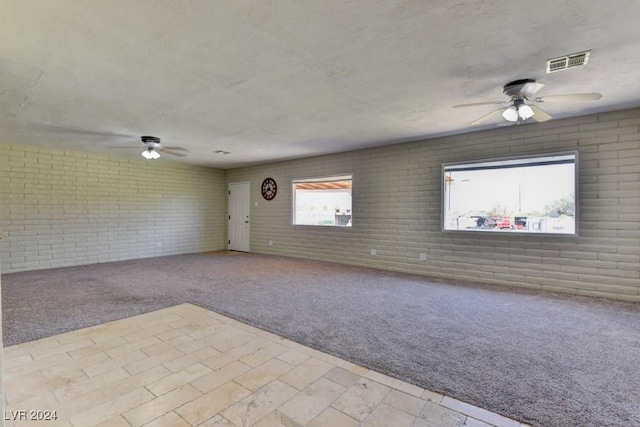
[270, 242]
[374, 252]
[423, 257]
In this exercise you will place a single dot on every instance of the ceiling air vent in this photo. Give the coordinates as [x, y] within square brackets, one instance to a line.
[569, 61]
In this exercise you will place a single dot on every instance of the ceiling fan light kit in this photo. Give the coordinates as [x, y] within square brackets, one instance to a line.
[511, 114]
[150, 154]
[519, 110]
[525, 112]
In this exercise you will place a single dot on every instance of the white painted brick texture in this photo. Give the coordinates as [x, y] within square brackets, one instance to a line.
[396, 210]
[62, 208]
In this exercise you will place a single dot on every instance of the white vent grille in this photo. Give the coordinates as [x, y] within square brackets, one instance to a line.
[569, 61]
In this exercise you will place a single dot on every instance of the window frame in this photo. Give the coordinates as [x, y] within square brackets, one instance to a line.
[576, 193]
[320, 179]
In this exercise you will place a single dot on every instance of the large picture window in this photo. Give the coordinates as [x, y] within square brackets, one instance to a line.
[517, 195]
[322, 201]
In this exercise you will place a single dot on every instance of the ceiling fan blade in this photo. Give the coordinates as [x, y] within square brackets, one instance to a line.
[593, 96]
[476, 104]
[530, 89]
[539, 114]
[487, 117]
[174, 148]
[168, 151]
[50, 127]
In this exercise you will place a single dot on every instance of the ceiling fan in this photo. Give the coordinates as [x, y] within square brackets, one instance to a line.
[153, 148]
[521, 107]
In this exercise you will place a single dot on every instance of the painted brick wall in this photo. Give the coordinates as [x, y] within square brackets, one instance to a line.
[1, 360]
[60, 208]
[396, 210]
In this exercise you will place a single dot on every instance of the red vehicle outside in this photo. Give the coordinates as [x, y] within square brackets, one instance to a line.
[504, 222]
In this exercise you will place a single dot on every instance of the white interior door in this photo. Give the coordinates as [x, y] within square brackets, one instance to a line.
[239, 221]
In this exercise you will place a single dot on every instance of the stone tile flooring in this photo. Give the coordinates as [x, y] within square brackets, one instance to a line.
[188, 366]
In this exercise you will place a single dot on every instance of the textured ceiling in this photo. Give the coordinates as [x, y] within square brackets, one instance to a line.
[269, 80]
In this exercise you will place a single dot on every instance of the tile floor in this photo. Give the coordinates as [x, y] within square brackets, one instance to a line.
[187, 366]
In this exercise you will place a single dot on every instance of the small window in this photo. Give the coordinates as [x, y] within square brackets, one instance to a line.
[322, 201]
[533, 194]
